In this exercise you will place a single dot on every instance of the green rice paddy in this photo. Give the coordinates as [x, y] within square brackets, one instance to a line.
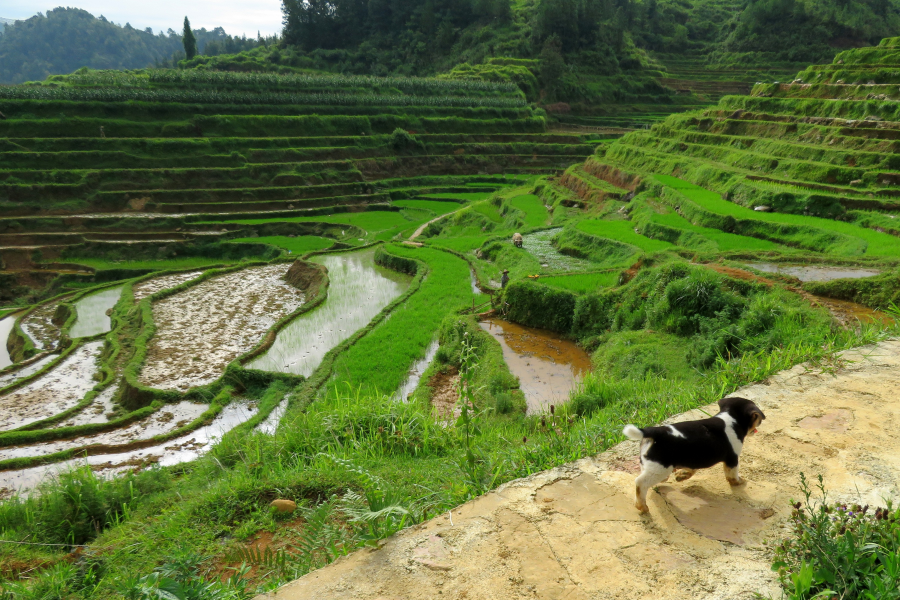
[622, 231]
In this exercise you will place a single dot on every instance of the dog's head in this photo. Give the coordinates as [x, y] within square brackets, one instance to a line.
[745, 412]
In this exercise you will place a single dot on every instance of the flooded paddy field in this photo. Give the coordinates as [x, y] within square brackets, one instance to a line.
[183, 449]
[358, 290]
[548, 366]
[540, 245]
[39, 326]
[814, 272]
[157, 284]
[203, 328]
[167, 419]
[59, 389]
[30, 369]
[93, 312]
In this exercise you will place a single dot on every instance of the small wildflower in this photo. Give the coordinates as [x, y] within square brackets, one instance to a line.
[552, 409]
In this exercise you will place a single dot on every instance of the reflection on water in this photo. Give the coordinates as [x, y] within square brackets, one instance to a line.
[538, 244]
[11, 378]
[183, 449]
[6, 326]
[815, 272]
[547, 365]
[270, 424]
[92, 318]
[415, 372]
[357, 291]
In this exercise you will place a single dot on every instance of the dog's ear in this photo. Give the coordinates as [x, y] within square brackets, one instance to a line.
[726, 404]
[755, 415]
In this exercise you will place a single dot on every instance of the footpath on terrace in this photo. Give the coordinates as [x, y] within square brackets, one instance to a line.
[572, 532]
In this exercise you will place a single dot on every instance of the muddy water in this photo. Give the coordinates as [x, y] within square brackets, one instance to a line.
[92, 318]
[6, 326]
[166, 419]
[59, 389]
[850, 314]
[96, 411]
[186, 448]
[415, 372]
[547, 366]
[814, 272]
[538, 244]
[358, 290]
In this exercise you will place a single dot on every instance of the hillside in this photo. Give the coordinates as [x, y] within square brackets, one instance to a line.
[223, 289]
[81, 40]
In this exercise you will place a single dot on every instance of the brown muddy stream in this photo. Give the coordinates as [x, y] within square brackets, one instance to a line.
[815, 272]
[548, 366]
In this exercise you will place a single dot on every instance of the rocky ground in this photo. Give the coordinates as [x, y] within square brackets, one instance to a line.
[572, 532]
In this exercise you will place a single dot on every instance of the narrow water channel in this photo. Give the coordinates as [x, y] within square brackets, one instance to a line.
[6, 327]
[548, 366]
[415, 372]
[92, 318]
[358, 290]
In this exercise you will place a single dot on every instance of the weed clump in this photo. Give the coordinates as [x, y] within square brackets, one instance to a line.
[839, 550]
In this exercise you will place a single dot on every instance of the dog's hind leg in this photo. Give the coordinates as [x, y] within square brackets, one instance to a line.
[652, 474]
[731, 474]
[684, 474]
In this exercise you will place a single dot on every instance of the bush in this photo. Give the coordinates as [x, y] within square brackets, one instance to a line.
[840, 550]
[540, 306]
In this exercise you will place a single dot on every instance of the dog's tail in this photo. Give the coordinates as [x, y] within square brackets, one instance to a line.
[633, 433]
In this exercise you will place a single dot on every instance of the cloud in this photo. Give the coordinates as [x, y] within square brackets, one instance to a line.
[237, 17]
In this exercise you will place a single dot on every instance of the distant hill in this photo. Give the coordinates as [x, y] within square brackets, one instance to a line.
[5, 22]
[66, 39]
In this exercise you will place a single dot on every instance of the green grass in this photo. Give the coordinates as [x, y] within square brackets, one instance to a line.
[436, 206]
[877, 244]
[471, 196]
[380, 360]
[488, 210]
[622, 231]
[536, 214]
[298, 245]
[725, 241]
[581, 283]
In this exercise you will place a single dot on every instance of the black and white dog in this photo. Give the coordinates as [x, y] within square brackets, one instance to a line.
[694, 445]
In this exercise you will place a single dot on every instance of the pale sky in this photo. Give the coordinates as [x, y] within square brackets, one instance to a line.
[236, 16]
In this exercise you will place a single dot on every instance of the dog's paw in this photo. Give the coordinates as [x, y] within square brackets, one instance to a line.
[684, 475]
[641, 507]
[737, 481]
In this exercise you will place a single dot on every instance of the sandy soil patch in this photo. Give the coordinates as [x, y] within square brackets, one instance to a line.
[573, 532]
[157, 284]
[57, 390]
[167, 419]
[203, 328]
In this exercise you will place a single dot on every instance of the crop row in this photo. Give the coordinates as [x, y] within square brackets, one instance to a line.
[112, 94]
[408, 85]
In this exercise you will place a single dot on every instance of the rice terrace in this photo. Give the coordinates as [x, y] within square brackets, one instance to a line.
[278, 325]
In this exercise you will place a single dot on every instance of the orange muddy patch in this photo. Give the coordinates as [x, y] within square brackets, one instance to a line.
[547, 365]
[443, 393]
[739, 274]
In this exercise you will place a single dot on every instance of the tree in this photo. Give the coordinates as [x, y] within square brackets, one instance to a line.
[190, 42]
[552, 65]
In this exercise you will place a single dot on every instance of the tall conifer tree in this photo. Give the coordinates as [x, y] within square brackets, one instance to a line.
[190, 42]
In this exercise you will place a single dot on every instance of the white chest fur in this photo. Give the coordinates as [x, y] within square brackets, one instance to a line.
[736, 444]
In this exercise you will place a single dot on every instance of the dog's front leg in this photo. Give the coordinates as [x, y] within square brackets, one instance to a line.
[731, 474]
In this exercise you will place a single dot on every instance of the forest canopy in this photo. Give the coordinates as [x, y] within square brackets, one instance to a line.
[81, 40]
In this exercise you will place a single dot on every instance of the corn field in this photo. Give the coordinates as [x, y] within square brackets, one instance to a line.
[408, 85]
[118, 94]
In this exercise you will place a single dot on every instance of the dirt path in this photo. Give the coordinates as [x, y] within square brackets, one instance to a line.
[422, 227]
[573, 533]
